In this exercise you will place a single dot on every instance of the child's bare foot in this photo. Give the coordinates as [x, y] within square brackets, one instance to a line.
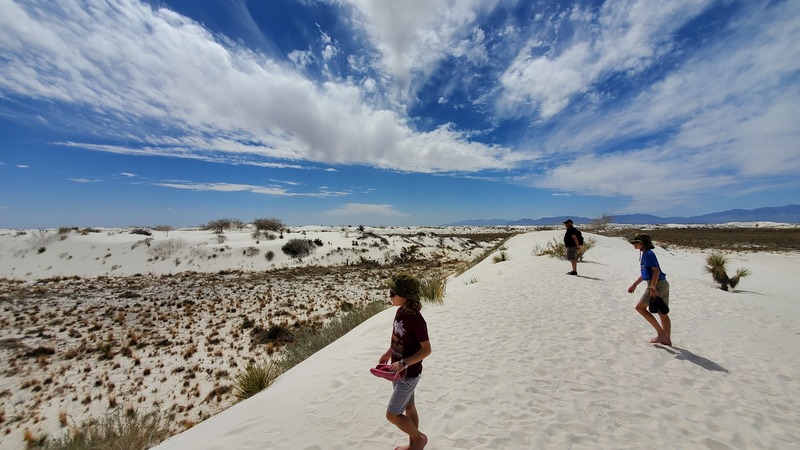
[655, 340]
[403, 447]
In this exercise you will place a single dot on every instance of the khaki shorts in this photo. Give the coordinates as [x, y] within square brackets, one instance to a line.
[663, 291]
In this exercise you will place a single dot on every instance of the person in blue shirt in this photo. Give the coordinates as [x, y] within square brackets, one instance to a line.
[656, 297]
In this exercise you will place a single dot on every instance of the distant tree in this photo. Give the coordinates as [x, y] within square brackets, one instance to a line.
[269, 224]
[163, 228]
[600, 225]
[220, 225]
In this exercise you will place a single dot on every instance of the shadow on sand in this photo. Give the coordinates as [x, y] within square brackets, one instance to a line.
[686, 355]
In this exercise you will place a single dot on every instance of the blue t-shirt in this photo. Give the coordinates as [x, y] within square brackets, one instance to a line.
[647, 261]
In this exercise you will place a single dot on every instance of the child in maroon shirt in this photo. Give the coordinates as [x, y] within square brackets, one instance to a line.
[409, 346]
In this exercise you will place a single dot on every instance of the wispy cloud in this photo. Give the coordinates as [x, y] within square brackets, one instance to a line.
[212, 95]
[365, 209]
[230, 187]
[84, 180]
[23, 166]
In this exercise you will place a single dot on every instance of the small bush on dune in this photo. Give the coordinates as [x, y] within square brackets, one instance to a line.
[432, 290]
[269, 224]
[500, 257]
[220, 225]
[715, 265]
[557, 249]
[298, 248]
[255, 378]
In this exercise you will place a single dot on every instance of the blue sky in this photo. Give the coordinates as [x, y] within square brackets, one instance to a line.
[419, 112]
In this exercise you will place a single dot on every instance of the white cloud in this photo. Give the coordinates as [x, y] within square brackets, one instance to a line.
[84, 180]
[365, 209]
[128, 174]
[413, 36]
[622, 37]
[23, 166]
[131, 62]
[725, 117]
[232, 187]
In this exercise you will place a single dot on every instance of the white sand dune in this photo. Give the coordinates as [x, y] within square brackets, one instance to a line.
[527, 357]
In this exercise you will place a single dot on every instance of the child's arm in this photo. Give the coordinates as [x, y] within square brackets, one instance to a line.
[386, 357]
[422, 353]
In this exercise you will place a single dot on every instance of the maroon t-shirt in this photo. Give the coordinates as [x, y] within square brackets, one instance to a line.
[408, 331]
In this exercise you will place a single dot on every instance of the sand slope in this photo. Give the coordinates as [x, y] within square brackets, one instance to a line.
[527, 357]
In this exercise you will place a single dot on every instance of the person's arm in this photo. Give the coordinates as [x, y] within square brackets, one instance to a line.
[386, 357]
[635, 283]
[422, 353]
[654, 281]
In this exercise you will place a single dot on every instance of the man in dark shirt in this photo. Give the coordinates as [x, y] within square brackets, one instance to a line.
[572, 244]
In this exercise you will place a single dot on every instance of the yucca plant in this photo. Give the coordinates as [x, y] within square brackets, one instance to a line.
[715, 265]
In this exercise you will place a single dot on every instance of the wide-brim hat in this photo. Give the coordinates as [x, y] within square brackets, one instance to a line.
[644, 240]
[404, 285]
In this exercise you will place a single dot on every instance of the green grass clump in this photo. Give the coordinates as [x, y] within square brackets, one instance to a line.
[255, 378]
[500, 257]
[432, 290]
[557, 249]
[118, 430]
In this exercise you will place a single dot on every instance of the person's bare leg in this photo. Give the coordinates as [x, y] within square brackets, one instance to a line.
[411, 413]
[574, 265]
[641, 307]
[666, 325]
[416, 439]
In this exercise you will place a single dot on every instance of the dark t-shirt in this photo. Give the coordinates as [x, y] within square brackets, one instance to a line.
[407, 333]
[568, 241]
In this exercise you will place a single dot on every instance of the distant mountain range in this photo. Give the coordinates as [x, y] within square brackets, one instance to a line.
[781, 214]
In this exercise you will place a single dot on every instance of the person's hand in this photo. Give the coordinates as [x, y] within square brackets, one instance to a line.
[631, 289]
[386, 357]
[653, 290]
[396, 367]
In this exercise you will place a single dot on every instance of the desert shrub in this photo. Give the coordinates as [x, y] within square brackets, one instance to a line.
[142, 231]
[261, 234]
[220, 225]
[557, 249]
[269, 255]
[276, 333]
[164, 229]
[64, 230]
[41, 238]
[165, 250]
[602, 223]
[118, 430]
[432, 289]
[255, 378]
[715, 265]
[269, 224]
[500, 257]
[251, 251]
[298, 248]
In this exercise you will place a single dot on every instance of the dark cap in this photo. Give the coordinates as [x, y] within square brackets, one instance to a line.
[404, 285]
[568, 221]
